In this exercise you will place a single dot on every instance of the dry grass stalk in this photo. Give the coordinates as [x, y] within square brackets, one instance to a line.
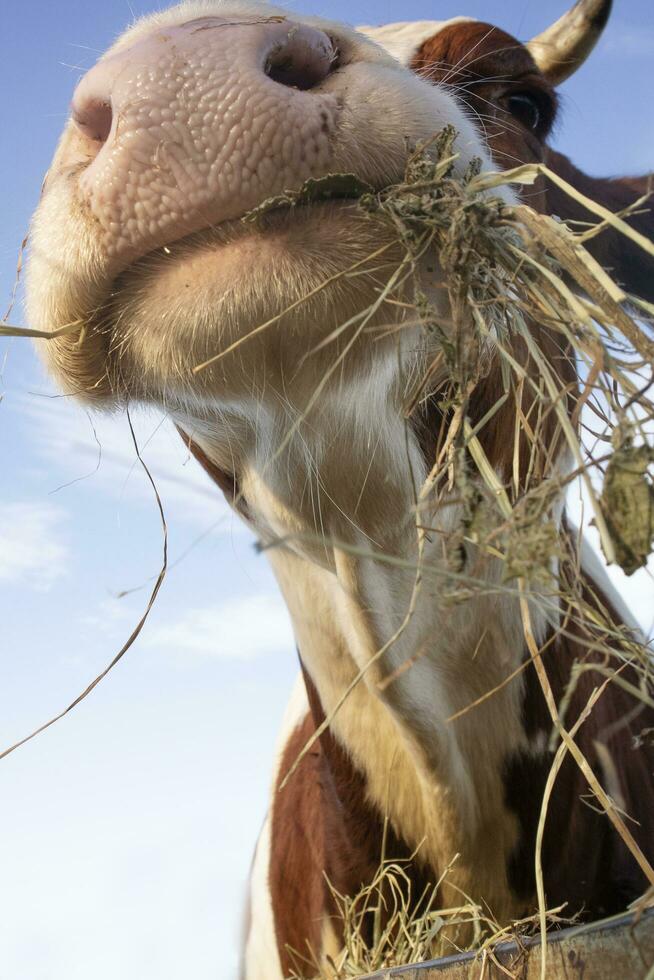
[7, 330]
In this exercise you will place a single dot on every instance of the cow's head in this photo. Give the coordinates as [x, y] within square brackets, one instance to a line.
[195, 117]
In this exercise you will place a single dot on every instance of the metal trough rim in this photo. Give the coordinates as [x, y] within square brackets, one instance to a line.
[508, 948]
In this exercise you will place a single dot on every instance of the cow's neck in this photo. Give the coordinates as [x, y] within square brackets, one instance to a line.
[336, 506]
[440, 782]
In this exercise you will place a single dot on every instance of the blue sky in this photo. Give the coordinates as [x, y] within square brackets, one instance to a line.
[126, 830]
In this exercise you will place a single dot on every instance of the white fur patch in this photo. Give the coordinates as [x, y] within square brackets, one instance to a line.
[261, 956]
[402, 40]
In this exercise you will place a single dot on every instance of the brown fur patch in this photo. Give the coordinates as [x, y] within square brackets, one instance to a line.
[297, 854]
[486, 67]
[629, 264]
[585, 862]
[323, 829]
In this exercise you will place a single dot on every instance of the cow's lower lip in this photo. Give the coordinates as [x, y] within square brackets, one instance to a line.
[252, 219]
[273, 217]
[306, 218]
[216, 238]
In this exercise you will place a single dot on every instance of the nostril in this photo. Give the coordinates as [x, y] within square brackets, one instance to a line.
[302, 61]
[94, 118]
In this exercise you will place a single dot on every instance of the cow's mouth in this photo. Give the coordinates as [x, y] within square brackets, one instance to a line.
[280, 209]
[336, 195]
[265, 235]
[273, 216]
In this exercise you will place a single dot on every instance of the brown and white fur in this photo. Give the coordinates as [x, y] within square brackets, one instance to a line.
[323, 461]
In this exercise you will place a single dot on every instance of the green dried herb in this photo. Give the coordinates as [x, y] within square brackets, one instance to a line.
[329, 188]
[628, 504]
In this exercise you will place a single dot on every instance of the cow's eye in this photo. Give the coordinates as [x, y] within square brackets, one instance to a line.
[525, 108]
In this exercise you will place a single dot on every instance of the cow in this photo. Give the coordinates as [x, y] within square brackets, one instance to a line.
[195, 117]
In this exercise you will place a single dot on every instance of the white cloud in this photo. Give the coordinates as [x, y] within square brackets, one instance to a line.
[238, 629]
[33, 551]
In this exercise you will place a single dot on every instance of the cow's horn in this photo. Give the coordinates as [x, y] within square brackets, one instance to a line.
[564, 46]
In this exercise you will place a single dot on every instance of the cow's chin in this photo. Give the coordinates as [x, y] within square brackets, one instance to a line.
[309, 270]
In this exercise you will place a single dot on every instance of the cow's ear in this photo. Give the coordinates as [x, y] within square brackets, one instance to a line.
[626, 261]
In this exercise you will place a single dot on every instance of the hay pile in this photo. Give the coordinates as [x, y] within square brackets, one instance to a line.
[407, 928]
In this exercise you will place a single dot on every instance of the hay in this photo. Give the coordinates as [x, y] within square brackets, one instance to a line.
[7, 330]
[386, 926]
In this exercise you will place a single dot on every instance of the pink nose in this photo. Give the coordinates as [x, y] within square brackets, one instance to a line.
[198, 123]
